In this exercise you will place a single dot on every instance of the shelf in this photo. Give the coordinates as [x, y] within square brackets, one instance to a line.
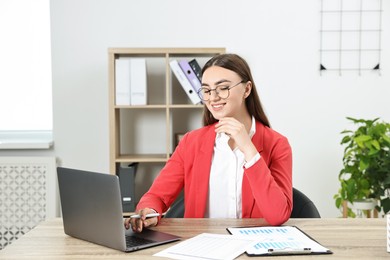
[186, 106]
[148, 134]
[165, 51]
[128, 158]
[159, 106]
[142, 107]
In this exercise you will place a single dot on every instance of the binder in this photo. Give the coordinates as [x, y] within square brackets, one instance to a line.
[279, 240]
[122, 81]
[196, 68]
[127, 186]
[190, 74]
[184, 82]
[138, 82]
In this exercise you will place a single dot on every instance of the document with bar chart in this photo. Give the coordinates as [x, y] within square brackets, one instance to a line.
[281, 240]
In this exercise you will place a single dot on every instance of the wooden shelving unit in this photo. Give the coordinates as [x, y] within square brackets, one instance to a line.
[135, 131]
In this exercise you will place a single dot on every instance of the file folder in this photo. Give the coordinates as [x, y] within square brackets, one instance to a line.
[196, 68]
[122, 82]
[138, 82]
[127, 186]
[184, 82]
[190, 74]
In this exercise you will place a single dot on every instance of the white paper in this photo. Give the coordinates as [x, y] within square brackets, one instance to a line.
[281, 238]
[209, 246]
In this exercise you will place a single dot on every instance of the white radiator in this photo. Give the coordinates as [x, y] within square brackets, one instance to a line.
[28, 195]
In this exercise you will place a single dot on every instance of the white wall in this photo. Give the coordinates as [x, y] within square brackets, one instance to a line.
[279, 39]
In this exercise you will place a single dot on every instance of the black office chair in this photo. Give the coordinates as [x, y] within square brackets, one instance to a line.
[177, 209]
[303, 207]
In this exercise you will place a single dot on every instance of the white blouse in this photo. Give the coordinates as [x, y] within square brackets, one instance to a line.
[225, 184]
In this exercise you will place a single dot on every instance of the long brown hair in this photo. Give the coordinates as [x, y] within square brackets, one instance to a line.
[237, 64]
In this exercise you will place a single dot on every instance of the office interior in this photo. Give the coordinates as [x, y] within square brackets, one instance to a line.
[279, 39]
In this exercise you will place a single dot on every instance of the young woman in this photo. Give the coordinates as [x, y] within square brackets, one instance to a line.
[235, 166]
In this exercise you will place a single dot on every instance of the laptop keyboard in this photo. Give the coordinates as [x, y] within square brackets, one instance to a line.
[137, 241]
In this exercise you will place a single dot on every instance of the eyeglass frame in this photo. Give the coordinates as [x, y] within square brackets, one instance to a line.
[215, 89]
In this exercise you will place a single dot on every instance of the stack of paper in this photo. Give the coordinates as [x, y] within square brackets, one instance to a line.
[255, 241]
[209, 246]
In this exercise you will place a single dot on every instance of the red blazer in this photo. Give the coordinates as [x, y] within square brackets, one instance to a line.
[266, 186]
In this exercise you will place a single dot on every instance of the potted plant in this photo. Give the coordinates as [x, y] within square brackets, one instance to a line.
[366, 165]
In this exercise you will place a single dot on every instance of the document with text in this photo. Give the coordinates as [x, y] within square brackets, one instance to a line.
[279, 240]
[209, 246]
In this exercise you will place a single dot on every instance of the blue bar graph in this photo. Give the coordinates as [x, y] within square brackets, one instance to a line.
[253, 231]
[273, 237]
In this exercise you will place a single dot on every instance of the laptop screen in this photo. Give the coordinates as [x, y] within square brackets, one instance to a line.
[92, 209]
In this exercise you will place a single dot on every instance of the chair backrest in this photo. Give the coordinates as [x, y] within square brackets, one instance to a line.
[177, 209]
[303, 207]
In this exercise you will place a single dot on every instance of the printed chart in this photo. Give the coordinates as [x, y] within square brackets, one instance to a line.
[288, 239]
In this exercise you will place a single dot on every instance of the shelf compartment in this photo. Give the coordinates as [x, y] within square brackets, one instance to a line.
[130, 158]
[183, 121]
[155, 77]
[142, 126]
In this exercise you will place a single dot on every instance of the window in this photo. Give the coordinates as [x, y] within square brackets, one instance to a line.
[25, 69]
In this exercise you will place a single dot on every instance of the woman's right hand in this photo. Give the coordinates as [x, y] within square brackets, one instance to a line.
[137, 224]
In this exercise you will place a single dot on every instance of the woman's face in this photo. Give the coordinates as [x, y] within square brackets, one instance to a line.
[230, 102]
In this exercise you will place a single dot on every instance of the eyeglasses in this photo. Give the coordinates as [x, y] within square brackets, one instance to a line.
[221, 91]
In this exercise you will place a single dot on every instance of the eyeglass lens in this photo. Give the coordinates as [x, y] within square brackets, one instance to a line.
[221, 91]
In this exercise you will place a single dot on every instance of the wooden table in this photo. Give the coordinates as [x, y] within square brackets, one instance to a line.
[347, 238]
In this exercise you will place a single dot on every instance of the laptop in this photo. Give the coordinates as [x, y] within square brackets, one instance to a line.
[92, 211]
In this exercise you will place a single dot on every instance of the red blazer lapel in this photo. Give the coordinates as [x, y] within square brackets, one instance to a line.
[248, 200]
[201, 172]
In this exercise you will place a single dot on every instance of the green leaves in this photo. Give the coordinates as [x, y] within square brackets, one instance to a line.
[363, 165]
[361, 140]
[385, 204]
[385, 138]
[366, 163]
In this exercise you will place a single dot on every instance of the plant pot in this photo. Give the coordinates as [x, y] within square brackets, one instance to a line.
[363, 205]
